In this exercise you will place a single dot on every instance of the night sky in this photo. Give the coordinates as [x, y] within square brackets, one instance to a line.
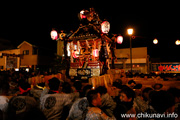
[33, 22]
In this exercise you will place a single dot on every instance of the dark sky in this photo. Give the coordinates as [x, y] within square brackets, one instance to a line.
[33, 22]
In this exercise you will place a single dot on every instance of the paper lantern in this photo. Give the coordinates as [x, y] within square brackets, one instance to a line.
[105, 27]
[95, 53]
[155, 41]
[75, 54]
[54, 35]
[119, 39]
[178, 42]
[82, 14]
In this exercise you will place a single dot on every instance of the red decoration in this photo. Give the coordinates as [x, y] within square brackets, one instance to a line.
[54, 35]
[119, 39]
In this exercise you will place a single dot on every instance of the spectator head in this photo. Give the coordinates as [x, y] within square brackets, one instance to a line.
[161, 101]
[176, 93]
[54, 83]
[127, 95]
[24, 87]
[78, 85]
[119, 81]
[145, 93]
[102, 90]
[138, 90]
[117, 85]
[94, 98]
[66, 87]
[157, 86]
[131, 84]
[86, 89]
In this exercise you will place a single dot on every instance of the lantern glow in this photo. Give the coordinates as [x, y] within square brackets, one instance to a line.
[82, 16]
[119, 39]
[155, 41]
[105, 27]
[95, 53]
[54, 35]
[177, 42]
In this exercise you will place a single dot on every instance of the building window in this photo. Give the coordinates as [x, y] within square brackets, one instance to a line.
[35, 51]
[26, 52]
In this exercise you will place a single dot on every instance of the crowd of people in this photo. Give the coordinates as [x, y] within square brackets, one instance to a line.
[67, 100]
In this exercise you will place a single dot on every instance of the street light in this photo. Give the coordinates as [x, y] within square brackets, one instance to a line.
[130, 32]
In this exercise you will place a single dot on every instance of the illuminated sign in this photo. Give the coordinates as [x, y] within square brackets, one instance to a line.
[166, 67]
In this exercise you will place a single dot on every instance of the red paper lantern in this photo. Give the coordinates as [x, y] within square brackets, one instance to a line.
[54, 35]
[82, 14]
[119, 39]
[105, 27]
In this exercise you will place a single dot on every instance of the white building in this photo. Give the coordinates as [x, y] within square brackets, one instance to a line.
[140, 59]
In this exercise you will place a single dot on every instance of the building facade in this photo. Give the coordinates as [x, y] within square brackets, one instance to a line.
[140, 59]
[26, 55]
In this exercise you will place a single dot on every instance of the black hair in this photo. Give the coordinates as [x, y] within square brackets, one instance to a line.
[129, 92]
[174, 91]
[91, 95]
[66, 87]
[78, 85]
[101, 90]
[131, 81]
[54, 83]
[147, 89]
[85, 90]
[117, 85]
[24, 85]
[161, 100]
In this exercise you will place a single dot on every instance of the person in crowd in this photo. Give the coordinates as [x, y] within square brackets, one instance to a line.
[53, 103]
[176, 93]
[79, 107]
[140, 104]
[78, 87]
[34, 114]
[4, 98]
[94, 112]
[37, 90]
[108, 104]
[67, 89]
[157, 86]
[161, 102]
[125, 104]
[22, 103]
[119, 81]
[114, 90]
[145, 93]
[138, 89]
[131, 84]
